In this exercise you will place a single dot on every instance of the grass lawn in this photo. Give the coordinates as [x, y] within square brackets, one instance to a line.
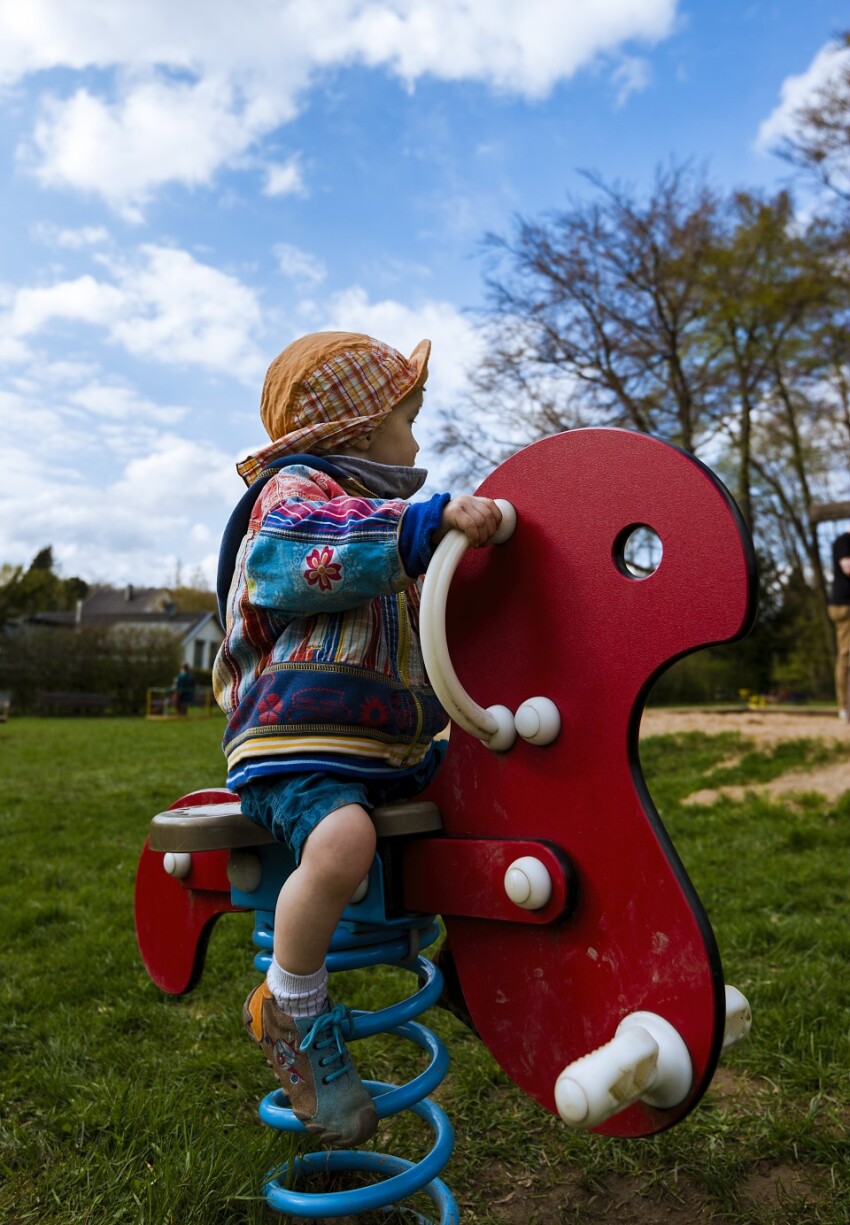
[121, 1104]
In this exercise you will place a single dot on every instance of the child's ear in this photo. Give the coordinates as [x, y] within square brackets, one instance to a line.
[362, 444]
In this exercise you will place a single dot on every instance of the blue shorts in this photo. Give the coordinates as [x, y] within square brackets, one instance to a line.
[290, 806]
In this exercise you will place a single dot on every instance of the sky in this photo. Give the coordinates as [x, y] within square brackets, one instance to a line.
[187, 188]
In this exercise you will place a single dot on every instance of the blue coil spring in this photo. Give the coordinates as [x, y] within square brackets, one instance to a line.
[354, 947]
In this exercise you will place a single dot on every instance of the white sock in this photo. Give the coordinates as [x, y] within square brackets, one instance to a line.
[301, 995]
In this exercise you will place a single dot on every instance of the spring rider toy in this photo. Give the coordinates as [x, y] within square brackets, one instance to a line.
[587, 962]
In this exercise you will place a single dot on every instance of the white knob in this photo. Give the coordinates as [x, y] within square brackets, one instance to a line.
[177, 863]
[360, 892]
[505, 734]
[646, 1061]
[528, 883]
[739, 1017]
[538, 721]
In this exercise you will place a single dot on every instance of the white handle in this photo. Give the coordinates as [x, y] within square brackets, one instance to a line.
[537, 719]
[645, 1061]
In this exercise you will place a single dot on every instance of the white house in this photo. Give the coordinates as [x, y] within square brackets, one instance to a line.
[200, 633]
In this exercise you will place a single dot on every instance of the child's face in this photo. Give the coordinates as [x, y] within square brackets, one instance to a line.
[393, 442]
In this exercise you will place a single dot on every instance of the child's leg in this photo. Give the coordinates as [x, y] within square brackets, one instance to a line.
[336, 857]
[289, 1014]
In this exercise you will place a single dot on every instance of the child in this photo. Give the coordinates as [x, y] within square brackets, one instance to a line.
[321, 673]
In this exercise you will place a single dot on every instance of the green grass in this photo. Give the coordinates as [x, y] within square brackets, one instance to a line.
[121, 1104]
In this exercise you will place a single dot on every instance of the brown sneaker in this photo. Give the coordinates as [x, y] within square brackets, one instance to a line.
[312, 1064]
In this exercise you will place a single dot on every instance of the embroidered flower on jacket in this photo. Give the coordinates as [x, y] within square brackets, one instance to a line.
[269, 709]
[373, 713]
[322, 569]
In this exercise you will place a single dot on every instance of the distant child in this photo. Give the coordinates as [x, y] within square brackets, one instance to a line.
[321, 673]
[184, 689]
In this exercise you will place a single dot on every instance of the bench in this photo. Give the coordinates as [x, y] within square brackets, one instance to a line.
[52, 702]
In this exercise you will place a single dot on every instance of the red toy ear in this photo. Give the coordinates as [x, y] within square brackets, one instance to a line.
[556, 612]
[175, 916]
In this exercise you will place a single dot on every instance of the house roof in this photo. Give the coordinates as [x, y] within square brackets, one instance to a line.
[143, 607]
[106, 600]
[184, 623]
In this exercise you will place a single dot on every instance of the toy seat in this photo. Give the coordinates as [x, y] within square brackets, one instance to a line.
[204, 858]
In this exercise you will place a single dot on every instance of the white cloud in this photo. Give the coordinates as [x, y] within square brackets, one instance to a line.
[85, 300]
[185, 311]
[284, 179]
[111, 401]
[631, 76]
[521, 45]
[72, 240]
[797, 91]
[162, 305]
[299, 265]
[158, 512]
[197, 86]
[13, 351]
[157, 132]
[93, 473]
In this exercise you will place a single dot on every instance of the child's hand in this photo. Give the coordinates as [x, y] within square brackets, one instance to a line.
[477, 518]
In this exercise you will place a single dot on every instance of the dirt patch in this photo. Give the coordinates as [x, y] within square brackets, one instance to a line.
[616, 1197]
[765, 726]
[829, 781]
[737, 1093]
[774, 1185]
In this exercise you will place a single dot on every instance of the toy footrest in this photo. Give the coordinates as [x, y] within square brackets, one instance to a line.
[217, 827]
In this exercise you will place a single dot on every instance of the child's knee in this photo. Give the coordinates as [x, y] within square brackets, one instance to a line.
[342, 845]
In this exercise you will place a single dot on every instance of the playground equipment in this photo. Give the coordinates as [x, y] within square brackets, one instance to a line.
[587, 962]
[161, 702]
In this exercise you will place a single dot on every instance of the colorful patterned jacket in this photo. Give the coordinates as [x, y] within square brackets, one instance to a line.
[321, 667]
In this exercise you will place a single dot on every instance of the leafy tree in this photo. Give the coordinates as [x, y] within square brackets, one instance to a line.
[193, 599]
[37, 589]
[772, 287]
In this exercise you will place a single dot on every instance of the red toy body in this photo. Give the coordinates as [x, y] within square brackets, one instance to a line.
[551, 612]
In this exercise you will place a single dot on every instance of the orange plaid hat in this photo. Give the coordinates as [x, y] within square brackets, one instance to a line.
[328, 389]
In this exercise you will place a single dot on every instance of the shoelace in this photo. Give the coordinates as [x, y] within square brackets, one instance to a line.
[326, 1034]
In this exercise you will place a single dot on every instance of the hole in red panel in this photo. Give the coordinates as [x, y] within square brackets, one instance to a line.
[638, 551]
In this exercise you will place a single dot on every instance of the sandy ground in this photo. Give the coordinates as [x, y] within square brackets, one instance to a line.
[765, 727]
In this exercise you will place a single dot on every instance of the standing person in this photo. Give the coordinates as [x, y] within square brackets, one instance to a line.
[184, 689]
[839, 611]
[330, 712]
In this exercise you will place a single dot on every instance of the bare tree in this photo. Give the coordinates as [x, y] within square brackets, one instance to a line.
[820, 144]
[594, 317]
